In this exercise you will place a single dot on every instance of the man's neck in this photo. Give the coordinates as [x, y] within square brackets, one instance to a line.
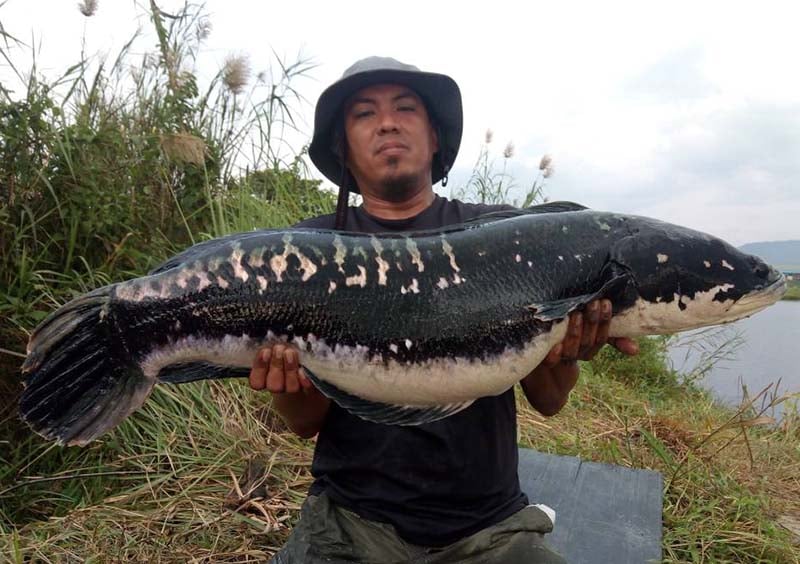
[385, 209]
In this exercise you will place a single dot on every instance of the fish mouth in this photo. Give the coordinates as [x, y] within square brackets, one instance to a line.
[760, 298]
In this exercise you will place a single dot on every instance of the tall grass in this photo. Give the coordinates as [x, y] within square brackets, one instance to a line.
[105, 171]
[112, 166]
[490, 184]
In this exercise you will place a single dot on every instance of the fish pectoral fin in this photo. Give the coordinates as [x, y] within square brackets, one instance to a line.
[385, 413]
[616, 289]
[559, 309]
[193, 371]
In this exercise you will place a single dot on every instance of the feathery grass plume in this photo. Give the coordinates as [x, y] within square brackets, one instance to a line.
[508, 152]
[88, 7]
[204, 28]
[546, 166]
[183, 147]
[236, 73]
[489, 135]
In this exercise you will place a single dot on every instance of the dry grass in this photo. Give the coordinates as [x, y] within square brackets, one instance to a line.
[207, 473]
[732, 486]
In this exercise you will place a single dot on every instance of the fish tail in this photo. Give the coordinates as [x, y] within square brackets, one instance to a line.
[80, 381]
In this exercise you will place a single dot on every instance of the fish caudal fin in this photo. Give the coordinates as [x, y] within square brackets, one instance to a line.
[79, 382]
[385, 413]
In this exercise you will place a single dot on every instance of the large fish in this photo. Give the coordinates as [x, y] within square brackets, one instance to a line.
[396, 328]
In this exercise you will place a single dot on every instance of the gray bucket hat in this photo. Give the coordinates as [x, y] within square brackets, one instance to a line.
[439, 92]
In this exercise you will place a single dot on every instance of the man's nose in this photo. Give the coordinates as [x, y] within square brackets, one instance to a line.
[388, 122]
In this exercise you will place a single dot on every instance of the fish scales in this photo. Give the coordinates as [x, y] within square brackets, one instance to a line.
[398, 328]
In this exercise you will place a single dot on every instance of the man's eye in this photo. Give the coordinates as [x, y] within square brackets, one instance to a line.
[407, 108]
[363, 113]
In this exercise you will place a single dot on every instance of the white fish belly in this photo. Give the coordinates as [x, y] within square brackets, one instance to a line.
[432, 382]
[435, 381]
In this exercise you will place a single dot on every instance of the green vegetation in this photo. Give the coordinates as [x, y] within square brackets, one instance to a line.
[105, 173]
[793, 292]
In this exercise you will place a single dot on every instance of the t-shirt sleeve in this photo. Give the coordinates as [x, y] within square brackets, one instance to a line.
[319, 222]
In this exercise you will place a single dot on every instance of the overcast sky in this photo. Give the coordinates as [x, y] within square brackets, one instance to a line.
[684, 111]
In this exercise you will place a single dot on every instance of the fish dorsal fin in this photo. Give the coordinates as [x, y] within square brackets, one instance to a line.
[549, 207]
[388, 414]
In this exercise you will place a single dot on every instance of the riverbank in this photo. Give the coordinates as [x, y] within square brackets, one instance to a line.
[793, 292]
[163, 486]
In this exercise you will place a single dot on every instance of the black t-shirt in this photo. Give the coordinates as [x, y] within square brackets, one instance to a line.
[436, 483]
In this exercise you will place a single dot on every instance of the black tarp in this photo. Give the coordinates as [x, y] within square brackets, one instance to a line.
[604, 513]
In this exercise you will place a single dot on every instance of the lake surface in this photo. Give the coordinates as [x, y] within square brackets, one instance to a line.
[768, 352]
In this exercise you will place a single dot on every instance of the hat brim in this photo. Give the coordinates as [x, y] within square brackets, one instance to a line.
[439, 92]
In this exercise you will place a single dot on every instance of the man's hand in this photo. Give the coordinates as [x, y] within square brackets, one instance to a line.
[303, 408]
[586, 334]
[277, 368]
[548, 386]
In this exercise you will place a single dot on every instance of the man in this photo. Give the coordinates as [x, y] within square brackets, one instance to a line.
[447, 491]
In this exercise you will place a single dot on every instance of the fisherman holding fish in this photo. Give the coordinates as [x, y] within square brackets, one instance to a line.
[417, 338]
[440, 492]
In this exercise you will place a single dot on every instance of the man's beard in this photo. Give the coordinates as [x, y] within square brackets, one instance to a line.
[399, 186]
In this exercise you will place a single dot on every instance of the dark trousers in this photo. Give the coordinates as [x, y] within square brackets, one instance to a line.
[328, 533]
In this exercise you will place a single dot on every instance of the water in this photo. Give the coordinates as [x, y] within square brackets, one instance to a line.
[766, 354]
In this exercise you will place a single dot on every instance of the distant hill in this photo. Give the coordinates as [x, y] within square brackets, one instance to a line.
[781, 254]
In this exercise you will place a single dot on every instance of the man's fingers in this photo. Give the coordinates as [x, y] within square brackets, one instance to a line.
[600, 330]
[258, 371]
[626, 346]
[572, 342]
[590, 325]
[554, 356]
[305, 383]
[290, 365]
[276, 377]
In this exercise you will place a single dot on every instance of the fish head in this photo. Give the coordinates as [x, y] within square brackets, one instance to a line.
[681, 279]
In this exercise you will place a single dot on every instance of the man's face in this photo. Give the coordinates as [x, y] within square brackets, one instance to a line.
[390, 141]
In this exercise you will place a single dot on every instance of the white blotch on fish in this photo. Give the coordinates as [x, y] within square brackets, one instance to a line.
[236, 263]
[727, 265]
[341, 252]
[280, 263]
[413, 287]
[416, 258]
[358, 279]
[662, 258]
[383, 265]
[447, 249]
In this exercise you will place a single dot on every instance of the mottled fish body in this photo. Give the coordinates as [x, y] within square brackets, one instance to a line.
[397, 328]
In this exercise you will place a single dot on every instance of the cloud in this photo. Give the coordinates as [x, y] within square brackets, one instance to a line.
[731, 172]
[677, 76]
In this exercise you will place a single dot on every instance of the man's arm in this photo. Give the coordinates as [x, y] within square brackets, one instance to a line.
[294, 397]
[547, 388]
